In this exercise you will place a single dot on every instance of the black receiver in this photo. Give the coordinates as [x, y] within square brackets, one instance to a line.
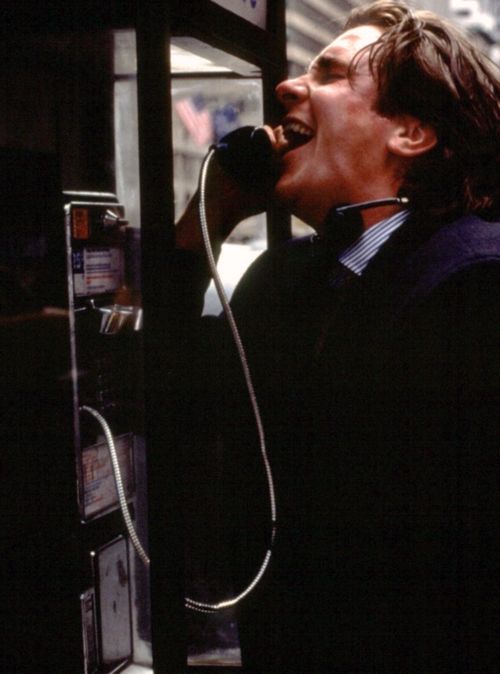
[247, 155]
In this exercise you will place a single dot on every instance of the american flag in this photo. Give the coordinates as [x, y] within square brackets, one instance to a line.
[196, 118]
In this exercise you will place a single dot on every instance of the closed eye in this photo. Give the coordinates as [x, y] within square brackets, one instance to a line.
[327, 69]
[330, 77]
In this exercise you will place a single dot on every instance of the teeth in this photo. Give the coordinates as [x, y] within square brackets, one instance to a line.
[296, 127]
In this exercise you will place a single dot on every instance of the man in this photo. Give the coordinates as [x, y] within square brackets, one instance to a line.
[375, 355]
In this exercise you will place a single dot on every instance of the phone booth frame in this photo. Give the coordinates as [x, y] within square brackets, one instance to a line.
[266, 49]
[155, 25]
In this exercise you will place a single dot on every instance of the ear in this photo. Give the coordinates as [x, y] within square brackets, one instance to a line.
[411, 137]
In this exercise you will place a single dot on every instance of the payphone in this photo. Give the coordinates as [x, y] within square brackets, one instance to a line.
[105, 338]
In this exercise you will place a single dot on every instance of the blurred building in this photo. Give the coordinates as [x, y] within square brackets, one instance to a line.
[311, 24]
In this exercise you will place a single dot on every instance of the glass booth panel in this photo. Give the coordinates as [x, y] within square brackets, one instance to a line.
[212, 94]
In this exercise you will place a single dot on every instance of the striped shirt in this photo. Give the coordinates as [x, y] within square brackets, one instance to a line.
[358, 254]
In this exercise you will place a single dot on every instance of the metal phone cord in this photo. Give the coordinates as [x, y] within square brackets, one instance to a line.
[204, 607]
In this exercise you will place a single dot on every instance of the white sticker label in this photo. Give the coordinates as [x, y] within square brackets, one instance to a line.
[97, 270]
[114, 603]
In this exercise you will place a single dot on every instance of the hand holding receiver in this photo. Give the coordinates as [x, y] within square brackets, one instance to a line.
[247, 155]
[239, 184]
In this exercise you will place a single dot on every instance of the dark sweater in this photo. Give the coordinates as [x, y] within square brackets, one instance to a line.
[380, 401]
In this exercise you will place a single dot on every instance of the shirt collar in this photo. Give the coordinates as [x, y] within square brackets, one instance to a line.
[358, 254]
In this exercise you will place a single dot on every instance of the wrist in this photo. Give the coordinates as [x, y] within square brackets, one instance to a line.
[220, 221]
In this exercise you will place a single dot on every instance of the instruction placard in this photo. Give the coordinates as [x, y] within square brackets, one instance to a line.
[97, 270]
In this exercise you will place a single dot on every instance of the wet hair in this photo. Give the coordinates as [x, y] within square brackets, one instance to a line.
[426, 67]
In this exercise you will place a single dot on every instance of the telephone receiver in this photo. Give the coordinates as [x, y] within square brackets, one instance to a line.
[247, 155]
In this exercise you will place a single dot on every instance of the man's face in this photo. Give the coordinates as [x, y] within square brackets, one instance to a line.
[335, 142]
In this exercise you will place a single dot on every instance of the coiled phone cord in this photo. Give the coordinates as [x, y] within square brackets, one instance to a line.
[203, 607]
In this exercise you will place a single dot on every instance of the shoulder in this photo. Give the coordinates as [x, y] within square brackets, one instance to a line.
[465, 248]
[290, 252]
[280, 269]
[466, 240]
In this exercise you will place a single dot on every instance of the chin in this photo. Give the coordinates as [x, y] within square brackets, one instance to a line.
[296, 192]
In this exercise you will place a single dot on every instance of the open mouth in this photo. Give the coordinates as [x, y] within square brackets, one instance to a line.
[295, 135]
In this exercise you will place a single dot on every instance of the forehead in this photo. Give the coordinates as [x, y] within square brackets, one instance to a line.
[347, 44]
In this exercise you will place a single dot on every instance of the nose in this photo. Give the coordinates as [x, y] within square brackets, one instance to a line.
[291, 92]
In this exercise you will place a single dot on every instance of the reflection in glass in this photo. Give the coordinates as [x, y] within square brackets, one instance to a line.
[205, 110]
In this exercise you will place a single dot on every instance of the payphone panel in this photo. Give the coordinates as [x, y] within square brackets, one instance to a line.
[105, 328]
[105, 348]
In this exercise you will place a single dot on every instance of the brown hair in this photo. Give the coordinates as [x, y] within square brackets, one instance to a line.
[426, 67]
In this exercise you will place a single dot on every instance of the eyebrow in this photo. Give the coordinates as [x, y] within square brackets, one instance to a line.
[326, 62]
